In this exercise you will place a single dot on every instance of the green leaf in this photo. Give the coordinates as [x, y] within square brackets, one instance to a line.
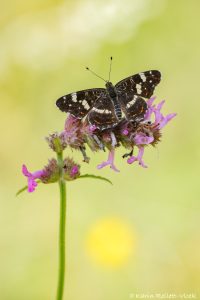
[25, 188]
[95, 177]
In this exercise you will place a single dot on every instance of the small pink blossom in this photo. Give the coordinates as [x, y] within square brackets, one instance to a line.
[138, 158]
[159, 118]
[125, 132]
[166, 119]
[92, 128]
[150, 109]
[109, 162]
[32, 178]
[74, 170]
[142, 139]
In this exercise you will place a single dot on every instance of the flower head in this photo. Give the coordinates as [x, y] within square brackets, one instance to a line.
[51, 173]
[71, 134]
[77, 133]
[131, 134]
[56, 142]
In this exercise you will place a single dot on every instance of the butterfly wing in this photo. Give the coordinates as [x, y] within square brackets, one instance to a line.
[141, 84]
[134, 107]
[102, 114]
[79, 103]
[133, 89]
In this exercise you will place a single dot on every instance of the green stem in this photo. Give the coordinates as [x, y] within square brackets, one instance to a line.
[62, 187]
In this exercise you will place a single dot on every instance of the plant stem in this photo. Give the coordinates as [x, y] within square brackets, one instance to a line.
[62, 187]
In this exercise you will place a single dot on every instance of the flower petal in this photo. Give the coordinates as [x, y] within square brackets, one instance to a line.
[143, 139]
[131, 159]
[166, 120]
[25, 171]
[31, 178]
[150, 101]
[138, 158]
[109, 162]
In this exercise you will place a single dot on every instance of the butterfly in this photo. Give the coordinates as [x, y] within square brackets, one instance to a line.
[106, 107]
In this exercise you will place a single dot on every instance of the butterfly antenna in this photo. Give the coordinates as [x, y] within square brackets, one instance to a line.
[110, 67]
[95, 74]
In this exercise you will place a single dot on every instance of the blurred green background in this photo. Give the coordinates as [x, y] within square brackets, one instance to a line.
[140, 235]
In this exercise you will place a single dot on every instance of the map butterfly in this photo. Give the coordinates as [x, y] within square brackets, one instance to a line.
[106, 107]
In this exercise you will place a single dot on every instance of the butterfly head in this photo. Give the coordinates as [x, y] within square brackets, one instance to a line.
[111, 89]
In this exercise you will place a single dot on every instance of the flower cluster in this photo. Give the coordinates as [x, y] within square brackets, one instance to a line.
[131, 135]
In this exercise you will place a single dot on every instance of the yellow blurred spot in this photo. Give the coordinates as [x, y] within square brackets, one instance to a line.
[111, 242]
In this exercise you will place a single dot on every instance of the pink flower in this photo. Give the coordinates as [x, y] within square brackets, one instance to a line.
[150, 109]
[142, 139]
[109, 162]
[92, 128]
[74, 170]
[125, 132]
[32, 178]
[166, 119]
[160, 119]
[138, 158]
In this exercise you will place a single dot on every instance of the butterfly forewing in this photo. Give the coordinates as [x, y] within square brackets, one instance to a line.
[141, 84]
[102, 115]
[79, 103]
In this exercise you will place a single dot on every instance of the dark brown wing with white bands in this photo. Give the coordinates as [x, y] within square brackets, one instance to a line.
[134, 107]
[141, 84]
[79, 103]
[102, 115]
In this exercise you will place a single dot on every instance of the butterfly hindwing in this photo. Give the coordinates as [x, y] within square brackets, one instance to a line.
[79, 103]
[141, 84]
[102, 115]
[134, 107]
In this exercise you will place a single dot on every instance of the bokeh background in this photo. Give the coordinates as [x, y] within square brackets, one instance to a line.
[140, 235]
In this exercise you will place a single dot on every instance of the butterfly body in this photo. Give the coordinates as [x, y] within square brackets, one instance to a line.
[113, 95]
[103, 107]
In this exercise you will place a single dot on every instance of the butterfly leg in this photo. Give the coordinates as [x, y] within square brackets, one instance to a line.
[99, 143]
[85, 157]
[128, 154]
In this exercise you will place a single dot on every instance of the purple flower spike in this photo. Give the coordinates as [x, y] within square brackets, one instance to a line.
[31, 178]
[109, 162]
[142, 139]
[138, 158]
